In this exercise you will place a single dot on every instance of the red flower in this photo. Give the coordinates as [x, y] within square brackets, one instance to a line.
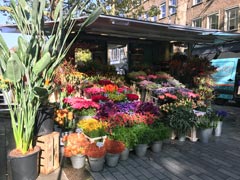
[70, 89]
[97, 98]
[132, 97]
[104, 82]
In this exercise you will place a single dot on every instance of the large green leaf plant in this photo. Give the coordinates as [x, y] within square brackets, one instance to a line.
[31, 65]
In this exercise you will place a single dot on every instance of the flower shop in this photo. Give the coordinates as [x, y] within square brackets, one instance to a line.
[99, 116]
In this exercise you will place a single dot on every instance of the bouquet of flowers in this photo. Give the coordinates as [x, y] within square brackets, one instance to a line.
[95, 151]
[92, 127]
[81, 106]
[75, 143]
[93, 90]
[132, 97]
[114, 146]
[64, 118]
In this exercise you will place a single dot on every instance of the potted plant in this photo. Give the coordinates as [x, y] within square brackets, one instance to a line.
[30, 69]
[160, 133]
[83, 108]
[127, 136]
[64, 119]
[96, 156]
[75, 145]
[114, 149]
[205, 125]
[93, 128]
[181, 120]
[220, 116]
[143, 138]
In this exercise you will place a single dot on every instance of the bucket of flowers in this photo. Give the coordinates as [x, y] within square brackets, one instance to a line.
[96, 156]
[64, 119]
[82, 107]
[114, 149]
[93, 128]
[75, 145]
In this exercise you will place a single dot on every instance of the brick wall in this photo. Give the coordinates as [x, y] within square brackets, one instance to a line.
[186, 11]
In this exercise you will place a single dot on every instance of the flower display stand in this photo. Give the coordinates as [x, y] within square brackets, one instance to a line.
[192, 134]
[49, 156]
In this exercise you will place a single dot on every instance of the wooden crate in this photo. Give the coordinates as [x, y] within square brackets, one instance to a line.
[49, 156]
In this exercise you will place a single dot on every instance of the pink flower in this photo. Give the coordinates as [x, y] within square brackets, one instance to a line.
[151, 76]
[124, 89]
[161, 97]
[141, 77]
[80, 103]
[170, 96]
[93, 90]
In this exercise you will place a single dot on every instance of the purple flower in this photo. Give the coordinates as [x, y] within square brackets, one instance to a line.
[148, 107]
[127, 107]
[221, 113]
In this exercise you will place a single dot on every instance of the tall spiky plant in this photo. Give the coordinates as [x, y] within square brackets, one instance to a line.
[30, 67]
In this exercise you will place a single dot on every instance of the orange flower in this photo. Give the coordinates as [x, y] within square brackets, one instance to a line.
[47, 82]
[110, 88]
[75, 143]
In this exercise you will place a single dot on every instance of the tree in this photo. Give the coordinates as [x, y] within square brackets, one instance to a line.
[124, 8]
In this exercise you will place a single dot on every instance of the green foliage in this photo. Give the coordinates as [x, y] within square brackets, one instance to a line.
[209, 120]
[143, 133]
[153, 11]
[160, 132]
[83, 55]
[116, 97]
[86, 112]
[126, 135]
[30, 67]
[182, 119]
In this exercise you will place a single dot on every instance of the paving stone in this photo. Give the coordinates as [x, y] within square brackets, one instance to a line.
[119, 176]
[134, 171]
[122, 169]
[229, 173]
[130, 176]
[108, 176]
[145, 172]
[194, 177]
[97, 176]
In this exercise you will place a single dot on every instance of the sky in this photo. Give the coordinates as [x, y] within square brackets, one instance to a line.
[10, 38]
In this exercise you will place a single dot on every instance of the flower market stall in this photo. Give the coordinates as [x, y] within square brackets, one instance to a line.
[139, 111]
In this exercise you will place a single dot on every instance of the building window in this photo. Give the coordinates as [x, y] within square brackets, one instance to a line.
[232, 19]
[196, 2]
[163, 10]
[213, 21]
[172, 6]
[197, 22]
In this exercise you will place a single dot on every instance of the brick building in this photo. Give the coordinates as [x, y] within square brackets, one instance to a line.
[210, 14]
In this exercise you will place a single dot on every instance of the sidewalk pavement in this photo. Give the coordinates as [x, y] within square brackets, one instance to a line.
[217, 160]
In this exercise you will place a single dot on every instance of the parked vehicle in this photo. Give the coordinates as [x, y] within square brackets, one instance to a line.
[227, 79]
